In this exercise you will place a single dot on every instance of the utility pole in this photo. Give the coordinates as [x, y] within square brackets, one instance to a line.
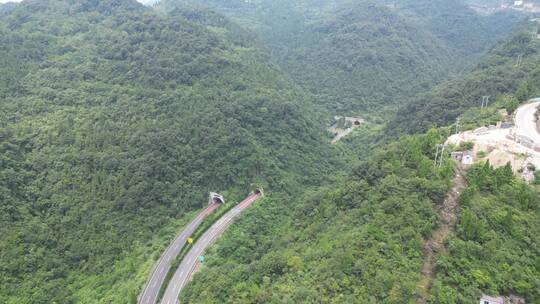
[519, 60]
[485, 102]
[439, 155]
[437, 148]
[457, 125]
[442, 155]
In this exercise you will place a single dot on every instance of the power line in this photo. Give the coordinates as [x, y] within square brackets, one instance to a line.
[519, 60]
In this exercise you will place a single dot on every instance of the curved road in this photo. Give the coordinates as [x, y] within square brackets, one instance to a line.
[150, 292]
[526, 122]
[189, 263]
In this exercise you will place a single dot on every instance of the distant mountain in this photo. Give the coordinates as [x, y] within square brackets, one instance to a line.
[6, 7]
[361, 56]
[149, 2]
[464, 31]
[510, 68]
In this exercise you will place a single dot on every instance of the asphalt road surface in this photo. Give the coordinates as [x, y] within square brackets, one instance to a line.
[526, 122]
[150, 292]
[189, 263]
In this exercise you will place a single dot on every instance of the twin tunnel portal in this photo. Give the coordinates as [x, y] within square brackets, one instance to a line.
[217, 198]
[190, 261]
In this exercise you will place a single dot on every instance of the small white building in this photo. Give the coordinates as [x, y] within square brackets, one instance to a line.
[518, 3]
[467, 158]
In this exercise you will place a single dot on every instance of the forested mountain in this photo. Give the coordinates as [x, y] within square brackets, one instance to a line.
[117, 119]
[464, 32]
[510, 68]
[361, 55]
[114, 121]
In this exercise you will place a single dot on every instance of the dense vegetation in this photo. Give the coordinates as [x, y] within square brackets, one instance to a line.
[114, 121]
[512, 68]
[464, 32]
[494, 249]
[360, 56]
[117, 119]
[359, 239]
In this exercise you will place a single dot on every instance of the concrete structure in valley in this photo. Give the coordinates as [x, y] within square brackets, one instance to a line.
[344, 126]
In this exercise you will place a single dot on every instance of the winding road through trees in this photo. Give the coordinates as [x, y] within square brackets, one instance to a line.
[150, 292]
[526, 120]
[189, 263]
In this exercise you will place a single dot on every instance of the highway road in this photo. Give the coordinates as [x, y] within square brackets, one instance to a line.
[526, 122]
[150, 292]
[189, 263]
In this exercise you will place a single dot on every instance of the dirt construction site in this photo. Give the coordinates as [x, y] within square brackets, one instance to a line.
[517, 145]
[499, 150]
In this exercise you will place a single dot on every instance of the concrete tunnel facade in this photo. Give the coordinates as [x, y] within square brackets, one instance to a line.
[216, 198]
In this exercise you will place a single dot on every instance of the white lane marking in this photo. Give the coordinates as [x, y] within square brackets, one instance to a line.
[190, 261]
[192, 225]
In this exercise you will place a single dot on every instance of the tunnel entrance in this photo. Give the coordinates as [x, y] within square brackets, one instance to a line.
[356, 123]
[216, 198]
[258, 192]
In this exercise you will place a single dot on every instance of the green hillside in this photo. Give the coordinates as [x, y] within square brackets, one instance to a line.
[495, 246]
[360, 238]
[361, 56]
[464, 32]
[510, 68]
[115, 121]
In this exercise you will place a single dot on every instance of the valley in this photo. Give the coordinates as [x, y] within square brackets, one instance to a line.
[118, 118]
